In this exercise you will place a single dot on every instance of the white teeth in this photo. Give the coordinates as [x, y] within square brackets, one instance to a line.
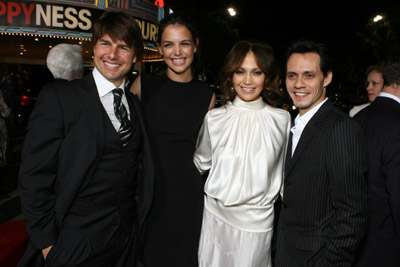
[248, 89]
[300, 94]
[178, 60]
[111, 65]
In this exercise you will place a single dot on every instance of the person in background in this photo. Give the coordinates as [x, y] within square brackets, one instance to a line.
[381, 124]
[242, 144]
[324, 205]
[175, 104]
[9, 88]
[65, 62]
[82, 199]
[5, 113]
[374, 87]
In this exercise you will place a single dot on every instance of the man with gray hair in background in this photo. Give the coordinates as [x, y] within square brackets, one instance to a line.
[65, 62]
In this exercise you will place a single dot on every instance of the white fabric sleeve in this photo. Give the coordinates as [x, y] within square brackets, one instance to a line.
[203, 154]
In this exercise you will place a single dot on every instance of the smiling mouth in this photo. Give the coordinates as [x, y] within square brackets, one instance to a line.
[111, 65]
[299, 94]
[248, 90]
[178, 60]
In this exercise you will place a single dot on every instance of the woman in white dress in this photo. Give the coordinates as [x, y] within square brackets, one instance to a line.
[243, 145]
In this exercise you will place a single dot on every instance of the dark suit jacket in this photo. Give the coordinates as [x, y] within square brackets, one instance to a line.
[61, 151]
[324, 209]
[381, 124]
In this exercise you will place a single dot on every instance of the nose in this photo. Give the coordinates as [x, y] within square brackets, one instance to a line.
[113, 54]
[177, 50]
[299, 83]
[369, 86]
[248, 79]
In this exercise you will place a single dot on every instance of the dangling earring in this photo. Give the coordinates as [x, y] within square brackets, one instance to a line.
[232, 88]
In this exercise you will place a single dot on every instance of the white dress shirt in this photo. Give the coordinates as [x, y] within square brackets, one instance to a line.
[104, 88]
[300, 123]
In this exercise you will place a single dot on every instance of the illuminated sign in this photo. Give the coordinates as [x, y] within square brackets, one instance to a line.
[159, 3]
[39, 15]
[53, 16]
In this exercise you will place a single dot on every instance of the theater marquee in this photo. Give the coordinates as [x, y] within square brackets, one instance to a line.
[56, 19]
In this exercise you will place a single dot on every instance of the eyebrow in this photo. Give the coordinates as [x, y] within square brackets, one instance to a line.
[170, 41]
[304, 72]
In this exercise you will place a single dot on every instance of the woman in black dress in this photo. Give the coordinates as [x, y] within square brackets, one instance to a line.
[174, 105]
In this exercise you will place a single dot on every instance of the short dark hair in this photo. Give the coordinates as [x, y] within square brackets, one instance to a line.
[265, 59]
[303, 46]
[391, 73]
[377, 68]
[119, 26]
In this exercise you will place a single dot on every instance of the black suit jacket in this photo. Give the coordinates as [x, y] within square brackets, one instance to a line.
[381, 124]
[62, 149]
[324, 209]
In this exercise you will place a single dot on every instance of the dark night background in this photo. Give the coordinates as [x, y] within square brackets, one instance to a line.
[346, 27]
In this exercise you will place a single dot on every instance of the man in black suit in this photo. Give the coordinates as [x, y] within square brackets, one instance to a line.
[381, 124]
[82, 198]
[324, 206]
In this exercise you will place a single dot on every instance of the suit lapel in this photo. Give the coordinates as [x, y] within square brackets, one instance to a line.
[94, 109]
[306, 136]
[288, 153]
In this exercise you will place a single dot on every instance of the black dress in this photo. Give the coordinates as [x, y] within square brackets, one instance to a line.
[174, 112]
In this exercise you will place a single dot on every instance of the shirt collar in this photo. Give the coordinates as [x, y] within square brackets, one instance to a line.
[383, 94]
[305, 118]
[103, 85]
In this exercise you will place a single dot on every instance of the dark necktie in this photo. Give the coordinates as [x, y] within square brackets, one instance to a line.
[126, 129]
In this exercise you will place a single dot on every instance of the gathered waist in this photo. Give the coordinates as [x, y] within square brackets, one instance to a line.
[244, 217]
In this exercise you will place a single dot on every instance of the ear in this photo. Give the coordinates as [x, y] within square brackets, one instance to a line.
[134, 60]
[328, 79]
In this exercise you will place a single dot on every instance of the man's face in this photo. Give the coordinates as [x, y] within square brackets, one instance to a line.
[305, 81]
[113, 59]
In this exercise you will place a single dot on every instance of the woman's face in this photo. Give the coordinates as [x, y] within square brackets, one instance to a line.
[249, 79]
[374, 85]
[178, 48]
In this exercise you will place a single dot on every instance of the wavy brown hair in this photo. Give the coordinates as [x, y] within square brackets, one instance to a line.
[266, 61]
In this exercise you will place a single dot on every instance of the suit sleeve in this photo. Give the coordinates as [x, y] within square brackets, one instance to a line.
[346, 168]
[203, 155]
[391, 170]
[38, 168]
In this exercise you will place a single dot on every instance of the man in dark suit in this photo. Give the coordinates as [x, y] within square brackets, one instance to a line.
[324, 206]
[381, 124]
[82, 199]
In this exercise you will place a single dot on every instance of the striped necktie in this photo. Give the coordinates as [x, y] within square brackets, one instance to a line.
[126, 128]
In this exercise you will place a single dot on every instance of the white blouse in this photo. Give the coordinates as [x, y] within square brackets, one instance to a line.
[243, 145]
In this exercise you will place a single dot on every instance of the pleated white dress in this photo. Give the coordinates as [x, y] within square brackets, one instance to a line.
[243, 145]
